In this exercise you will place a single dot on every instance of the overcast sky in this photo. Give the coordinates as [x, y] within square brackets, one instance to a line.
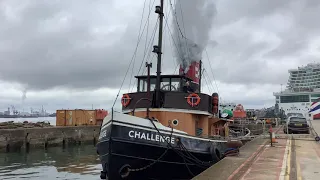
[74, 53]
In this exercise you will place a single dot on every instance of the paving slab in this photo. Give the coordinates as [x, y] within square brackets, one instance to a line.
[316, 125]
[229, 165]
[307, 159]
[269, 163]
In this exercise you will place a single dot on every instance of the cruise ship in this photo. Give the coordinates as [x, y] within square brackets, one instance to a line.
[302, 90]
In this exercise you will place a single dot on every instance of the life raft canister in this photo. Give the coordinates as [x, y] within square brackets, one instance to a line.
[215, 103]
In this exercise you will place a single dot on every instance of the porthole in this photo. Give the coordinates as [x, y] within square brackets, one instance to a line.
[175, 122]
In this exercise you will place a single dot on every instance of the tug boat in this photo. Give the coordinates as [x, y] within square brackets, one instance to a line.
[165, 130]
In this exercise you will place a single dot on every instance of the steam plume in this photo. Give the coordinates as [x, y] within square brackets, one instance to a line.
[24, 94]
[194, 19]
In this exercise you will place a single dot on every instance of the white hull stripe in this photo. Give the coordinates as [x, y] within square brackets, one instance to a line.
[162, 132]
[169, 110]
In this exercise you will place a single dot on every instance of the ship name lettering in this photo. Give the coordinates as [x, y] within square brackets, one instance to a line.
[151, 137]
[103, 134]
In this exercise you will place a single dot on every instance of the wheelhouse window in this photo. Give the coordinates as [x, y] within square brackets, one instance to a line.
[143, 82]
[168, 83]
[175, 84]
[142, 85]
[165, 84]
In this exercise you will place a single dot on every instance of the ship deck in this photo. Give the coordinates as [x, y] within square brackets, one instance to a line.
[294, 156]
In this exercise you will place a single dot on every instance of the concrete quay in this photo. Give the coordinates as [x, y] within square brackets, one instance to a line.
[295, 156]
[28, 138]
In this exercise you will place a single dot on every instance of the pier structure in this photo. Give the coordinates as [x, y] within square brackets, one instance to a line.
[25, 139]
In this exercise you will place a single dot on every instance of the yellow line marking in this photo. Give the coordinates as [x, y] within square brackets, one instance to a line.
[284, 162]
[288, 162]
[298, 170]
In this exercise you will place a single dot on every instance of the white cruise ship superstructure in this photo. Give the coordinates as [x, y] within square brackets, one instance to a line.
[302, 90]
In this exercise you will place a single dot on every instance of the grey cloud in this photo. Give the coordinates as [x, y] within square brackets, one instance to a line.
[58, 43]
[230, 11]
[70, 56]
[238, 59]
[288, 47]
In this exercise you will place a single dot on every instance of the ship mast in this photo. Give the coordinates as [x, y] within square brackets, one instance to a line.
[158, 50]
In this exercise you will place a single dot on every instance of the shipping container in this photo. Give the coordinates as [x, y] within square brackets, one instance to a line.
[70, 118]
[101, 114]
[61, 118]
[84, 117]
[80, 117]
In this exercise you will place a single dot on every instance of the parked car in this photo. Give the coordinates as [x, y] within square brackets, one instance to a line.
[295, 114]
[296, 125]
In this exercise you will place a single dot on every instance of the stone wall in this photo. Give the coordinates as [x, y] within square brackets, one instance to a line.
[25, 139]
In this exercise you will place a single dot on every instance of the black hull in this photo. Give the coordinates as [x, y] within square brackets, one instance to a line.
[184, 157]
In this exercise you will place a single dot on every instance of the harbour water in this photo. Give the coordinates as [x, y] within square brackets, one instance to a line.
[77, 162]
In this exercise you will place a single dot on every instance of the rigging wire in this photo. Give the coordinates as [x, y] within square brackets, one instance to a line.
[175, 15]
[172, 52]
[146, 44]
[150, 46]
[210, 82]
[173, 40]
[166, 26]
[145, 48]
[133, 57]
[184, 30]
[212, 70]
[179, 29]
[146, 25]
[144, 59]
[142, 15]
[214, 79]
[205, 78]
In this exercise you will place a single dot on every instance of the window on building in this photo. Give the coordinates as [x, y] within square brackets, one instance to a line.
[293, 99]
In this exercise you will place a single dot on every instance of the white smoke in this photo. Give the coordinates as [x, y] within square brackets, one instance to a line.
[194, 19]
[24, 94]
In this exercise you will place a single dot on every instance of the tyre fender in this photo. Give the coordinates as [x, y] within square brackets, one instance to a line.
[215, 153]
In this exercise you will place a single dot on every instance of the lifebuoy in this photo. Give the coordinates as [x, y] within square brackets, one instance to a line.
[125, 100]
[191, 97]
